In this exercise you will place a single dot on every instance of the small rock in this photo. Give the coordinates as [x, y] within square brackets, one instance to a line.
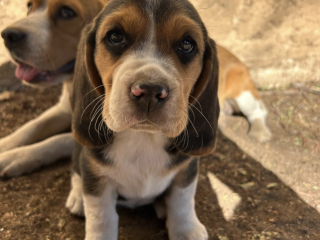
[61, 223]
[242, 171]
[222, 237]
[5, 95]
[248, 185]
[272, 185]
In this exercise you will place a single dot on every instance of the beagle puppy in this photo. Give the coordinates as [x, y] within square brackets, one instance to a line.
[145, 108]
[43, 45]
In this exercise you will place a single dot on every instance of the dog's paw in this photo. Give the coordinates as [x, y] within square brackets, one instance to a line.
[16, 162]
[75, 199]
[188, 231]
[260, 134]
[259, 131]
[75, 203]
[161, 209]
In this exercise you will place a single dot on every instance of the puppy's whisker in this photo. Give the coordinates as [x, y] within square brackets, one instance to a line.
[93, 90]
[100, 101]
[204, 117]
[89, 106]
[92, 119]
[196, 101]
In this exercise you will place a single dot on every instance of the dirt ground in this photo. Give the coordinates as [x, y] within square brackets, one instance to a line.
[32, 206]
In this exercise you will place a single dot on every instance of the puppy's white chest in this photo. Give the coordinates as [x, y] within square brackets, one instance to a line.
[140, 161]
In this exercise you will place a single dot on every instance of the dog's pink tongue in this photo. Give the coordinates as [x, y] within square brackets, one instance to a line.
[25, 72]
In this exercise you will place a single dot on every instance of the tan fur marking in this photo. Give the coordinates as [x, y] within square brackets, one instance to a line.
[173, 31]
[234, 76]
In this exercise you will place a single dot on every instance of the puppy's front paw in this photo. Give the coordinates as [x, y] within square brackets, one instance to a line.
[75, 203]
[16, 162]
[75, 198]
[188, 231]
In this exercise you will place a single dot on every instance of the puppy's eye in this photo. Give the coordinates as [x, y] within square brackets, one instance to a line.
[66, 13]
[30, 5]
[187, 45]
[116, 37]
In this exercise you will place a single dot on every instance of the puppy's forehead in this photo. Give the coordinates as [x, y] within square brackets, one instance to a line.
[161, 10]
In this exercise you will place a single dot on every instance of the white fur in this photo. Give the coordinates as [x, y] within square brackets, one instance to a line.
[251, 107]
[140, 161]
[182, 222]
[75, 198]
[256, 113]
[101, 216]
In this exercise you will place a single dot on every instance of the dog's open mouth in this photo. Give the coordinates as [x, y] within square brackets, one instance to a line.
[32, 75]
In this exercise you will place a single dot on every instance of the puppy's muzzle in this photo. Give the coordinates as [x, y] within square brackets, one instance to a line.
[13, 37]
[149, 97]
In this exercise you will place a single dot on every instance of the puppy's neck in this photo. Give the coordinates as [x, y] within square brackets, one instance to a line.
[138, 146]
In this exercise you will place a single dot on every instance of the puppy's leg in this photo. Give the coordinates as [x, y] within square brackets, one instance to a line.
[182, 220]
[75, 199]
[256, 113]
[53, 121]
[26, 159]
[100, 199]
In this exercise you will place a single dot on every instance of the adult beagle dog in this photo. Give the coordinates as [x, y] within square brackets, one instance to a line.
[145, 108]
[43, 45]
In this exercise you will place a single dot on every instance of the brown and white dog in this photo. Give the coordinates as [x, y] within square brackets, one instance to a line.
[44, 45]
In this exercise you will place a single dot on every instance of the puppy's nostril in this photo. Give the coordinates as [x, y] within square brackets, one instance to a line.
[163, 95]
[12, 36]
[137, 91]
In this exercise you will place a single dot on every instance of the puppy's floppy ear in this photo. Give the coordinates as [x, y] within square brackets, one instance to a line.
[201, 134]
[86, 98]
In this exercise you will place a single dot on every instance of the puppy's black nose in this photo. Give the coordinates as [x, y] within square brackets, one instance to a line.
[149, 97]
[12, 37]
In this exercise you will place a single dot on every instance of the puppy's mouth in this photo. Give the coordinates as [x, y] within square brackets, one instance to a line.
[146, 126]
[31, 74]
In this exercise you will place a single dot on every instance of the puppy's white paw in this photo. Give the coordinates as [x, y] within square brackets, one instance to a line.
[75, 199]
[259, 131]
[17, 162]
[188, 231]
[161, 209]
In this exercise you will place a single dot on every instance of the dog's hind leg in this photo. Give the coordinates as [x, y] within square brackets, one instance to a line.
[256, 114]
[239, 89]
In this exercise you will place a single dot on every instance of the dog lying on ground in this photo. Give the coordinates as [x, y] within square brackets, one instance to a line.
[36, 43]
[145, 108]
[44, 45]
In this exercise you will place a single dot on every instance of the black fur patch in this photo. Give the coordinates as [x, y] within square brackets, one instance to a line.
[92, 184]
[97, 153]
[189, 174]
